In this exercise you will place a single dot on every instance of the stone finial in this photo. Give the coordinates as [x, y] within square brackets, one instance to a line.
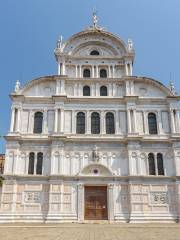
[17, 86]
[172, 88]
[59, 43]
[95, 19]
[130, 45]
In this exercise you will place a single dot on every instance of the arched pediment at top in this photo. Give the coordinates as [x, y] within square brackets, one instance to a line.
[95, 169]
[107, 43]
[44, 87]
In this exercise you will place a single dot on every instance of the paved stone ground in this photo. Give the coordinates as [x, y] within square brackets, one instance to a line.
[90, 232]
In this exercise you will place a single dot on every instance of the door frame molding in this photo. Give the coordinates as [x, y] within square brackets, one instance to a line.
[81, 199]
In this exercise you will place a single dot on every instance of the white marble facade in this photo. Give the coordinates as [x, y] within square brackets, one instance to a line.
[72, 160]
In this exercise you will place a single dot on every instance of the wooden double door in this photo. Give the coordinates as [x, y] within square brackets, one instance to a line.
[96, 203]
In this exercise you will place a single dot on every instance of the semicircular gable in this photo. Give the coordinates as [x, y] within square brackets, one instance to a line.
[85, 49]
[93, 37]
[45, 87]
[95, 169]
[150, 88]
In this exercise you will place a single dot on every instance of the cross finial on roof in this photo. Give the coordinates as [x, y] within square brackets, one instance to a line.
[95, 18]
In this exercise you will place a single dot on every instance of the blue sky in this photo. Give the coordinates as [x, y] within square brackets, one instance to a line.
[29, 29]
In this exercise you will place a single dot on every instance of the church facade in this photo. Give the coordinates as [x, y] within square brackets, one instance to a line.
[93, 142]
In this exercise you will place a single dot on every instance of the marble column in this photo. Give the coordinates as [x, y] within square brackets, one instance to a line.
[102, 125]
[73, 122]
[159, 121]
[18, 119]
[126, 69]
[56, 121]
[76, 71]
[97, 71]
[62, 87]
[131, 69]
[134, 121]
[129, 120]
[45, 123]
[110, 202]
[117, 129]
[92, 67]
[59, 68]
[12, 119]
[109, 72]
[62, 121]
[113, 71]
[172, 121]
[80, 200]
[88, 122]
[80, 71]
[145, 121]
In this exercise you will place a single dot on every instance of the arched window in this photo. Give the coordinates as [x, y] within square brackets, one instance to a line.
[39, 163]
[38, 121]
[103, 91]
[151, 161]
[86, 73]
[152, 123]
[103, 73]
[80, 123]
[110, 123]
[86, 91]
[94, 52]
[95, 123]
[31, 163]
[160, 165]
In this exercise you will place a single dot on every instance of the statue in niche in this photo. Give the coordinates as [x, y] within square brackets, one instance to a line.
[95, 154]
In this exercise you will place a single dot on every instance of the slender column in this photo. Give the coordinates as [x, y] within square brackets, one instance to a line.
[73, 121]
[18, 119]
[58, 87]
[92, 71]
[129, 120]
[110, 202]
[145, 122]
[97, 89]
[102, 126]
[126, 69]
[62, 87]
[172, 121]
[80, 88]
[61, 162]
[76, 71]
[75, 89]
[56, 121]
[63, 69]
[62, 120]
[97, 71]
[176, 116]
[12, 120]
[159, 122]
[109, 71]
[110, 90]
[31, 121]
[117, 122]
[80, 201]
[131, 69]
[80, 71]
[59, 68]
[113, 71]
[134, 120]
[45, 126]
[114, 89]
[88, 122]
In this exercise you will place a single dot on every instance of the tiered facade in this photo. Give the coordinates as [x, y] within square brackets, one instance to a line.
[94, 141]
